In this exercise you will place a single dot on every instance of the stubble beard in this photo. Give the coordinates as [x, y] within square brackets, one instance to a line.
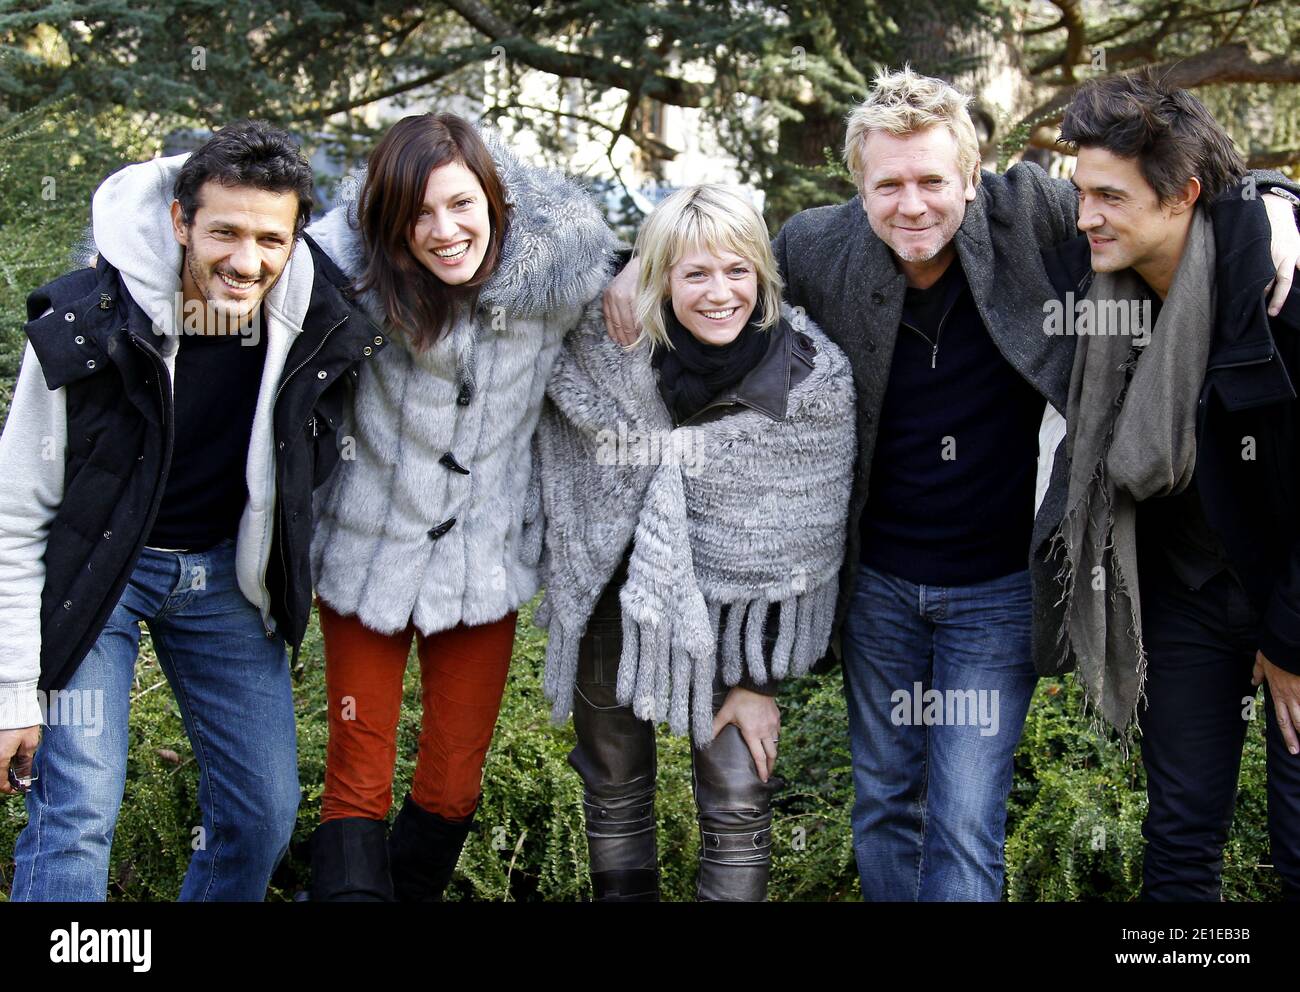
[228, 315]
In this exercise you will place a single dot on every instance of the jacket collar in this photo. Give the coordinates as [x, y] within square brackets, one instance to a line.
[974, 245]
[766, 387]
[90, 313]
[869, 261]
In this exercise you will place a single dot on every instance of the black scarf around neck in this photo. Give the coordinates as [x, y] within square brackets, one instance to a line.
[692, 374]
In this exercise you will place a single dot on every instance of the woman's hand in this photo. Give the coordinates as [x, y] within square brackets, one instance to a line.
[759, 720]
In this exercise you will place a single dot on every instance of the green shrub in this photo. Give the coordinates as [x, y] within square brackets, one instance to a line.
[1074, 817]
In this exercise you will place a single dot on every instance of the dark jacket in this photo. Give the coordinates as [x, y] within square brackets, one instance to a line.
[98, 345]
[1247, 404]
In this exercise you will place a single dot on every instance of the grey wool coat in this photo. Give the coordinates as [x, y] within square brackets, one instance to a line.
[430, 522]
[846, 279]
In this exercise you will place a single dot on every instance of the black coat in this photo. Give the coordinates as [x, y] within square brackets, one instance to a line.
[1247, 407]
[97, 344]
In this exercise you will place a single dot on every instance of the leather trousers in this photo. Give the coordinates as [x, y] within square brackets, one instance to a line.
[615, 756]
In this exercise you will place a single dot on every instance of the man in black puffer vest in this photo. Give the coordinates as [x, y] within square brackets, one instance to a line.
[178, 404]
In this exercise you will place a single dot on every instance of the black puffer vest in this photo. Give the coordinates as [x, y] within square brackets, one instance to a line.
[98, 345]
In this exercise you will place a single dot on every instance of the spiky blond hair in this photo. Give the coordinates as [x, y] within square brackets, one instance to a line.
[902, 102]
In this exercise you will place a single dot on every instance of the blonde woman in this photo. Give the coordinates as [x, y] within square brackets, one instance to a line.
[695, 488]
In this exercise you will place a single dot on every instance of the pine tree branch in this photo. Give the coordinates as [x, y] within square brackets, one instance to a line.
[450, 62]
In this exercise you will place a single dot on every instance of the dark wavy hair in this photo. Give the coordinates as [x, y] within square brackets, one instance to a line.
[247, 153]
[417, 302]
[1167, 130]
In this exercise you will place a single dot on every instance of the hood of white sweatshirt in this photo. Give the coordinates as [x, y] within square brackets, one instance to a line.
[132, 226]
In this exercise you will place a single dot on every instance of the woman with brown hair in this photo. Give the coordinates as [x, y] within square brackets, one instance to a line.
[479, 265]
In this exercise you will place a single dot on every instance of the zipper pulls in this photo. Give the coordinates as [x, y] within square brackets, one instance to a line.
[934, 344]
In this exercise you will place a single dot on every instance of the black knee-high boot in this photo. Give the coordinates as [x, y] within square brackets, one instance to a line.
[423, 849]
[349, 861]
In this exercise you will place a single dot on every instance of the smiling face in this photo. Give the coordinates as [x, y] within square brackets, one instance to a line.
[235, 249]
[1126, 224]
[915, 196]
[453, 228]
[713, 294]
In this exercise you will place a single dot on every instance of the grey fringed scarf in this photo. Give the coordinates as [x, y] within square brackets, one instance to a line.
[729, 517]
[1127, 444]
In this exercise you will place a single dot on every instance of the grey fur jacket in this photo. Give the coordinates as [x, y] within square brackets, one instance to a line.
[426, 523]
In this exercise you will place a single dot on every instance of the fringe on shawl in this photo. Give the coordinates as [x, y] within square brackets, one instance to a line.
[663, 679]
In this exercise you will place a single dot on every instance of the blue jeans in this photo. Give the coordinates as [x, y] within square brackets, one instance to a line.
[232, 686]
[938, 681]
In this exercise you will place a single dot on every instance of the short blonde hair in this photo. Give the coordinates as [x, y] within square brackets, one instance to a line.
[903, 102]
[708, 217]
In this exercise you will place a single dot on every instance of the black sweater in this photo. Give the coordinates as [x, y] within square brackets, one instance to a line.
[951, 498]
[215, 387]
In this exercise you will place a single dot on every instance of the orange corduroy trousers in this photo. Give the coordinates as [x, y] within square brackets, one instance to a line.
[463, 675]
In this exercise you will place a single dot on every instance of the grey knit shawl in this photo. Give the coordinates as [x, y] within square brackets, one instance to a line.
[729, 516]
[1128, 441]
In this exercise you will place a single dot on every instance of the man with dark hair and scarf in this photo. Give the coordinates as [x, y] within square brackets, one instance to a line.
[1179, 548]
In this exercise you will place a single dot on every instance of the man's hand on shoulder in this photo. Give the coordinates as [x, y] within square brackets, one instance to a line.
[619, 304]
